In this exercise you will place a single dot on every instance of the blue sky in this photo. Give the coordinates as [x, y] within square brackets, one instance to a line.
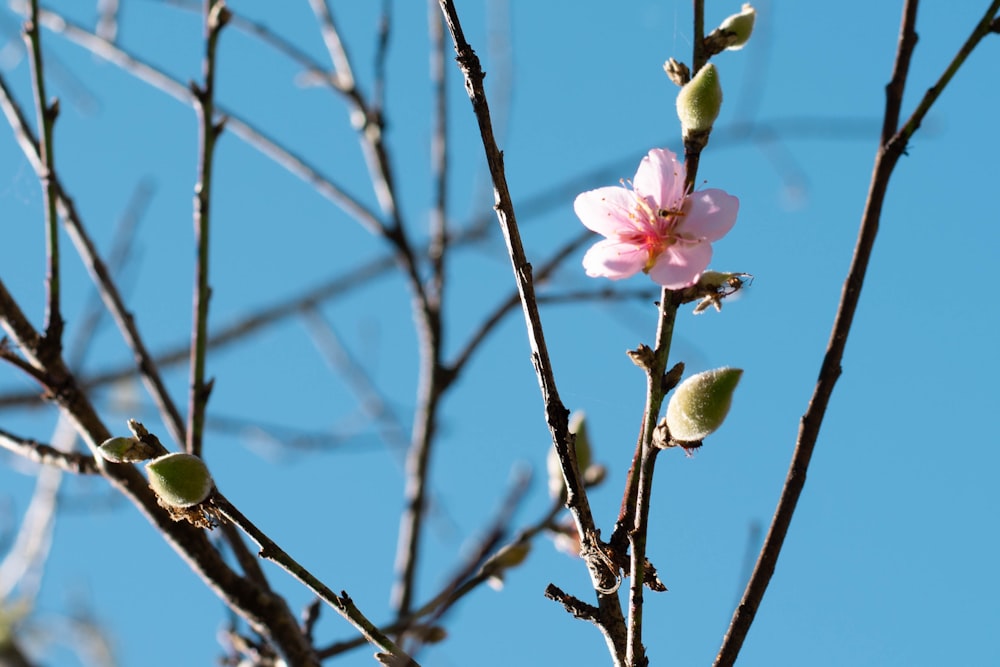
[890, 557]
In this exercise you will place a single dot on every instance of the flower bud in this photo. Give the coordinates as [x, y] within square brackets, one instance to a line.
[509, 556]
[125, 450]
[699, 404]
[578, 427]
[699, 101]
[180, 479]
[739, 27]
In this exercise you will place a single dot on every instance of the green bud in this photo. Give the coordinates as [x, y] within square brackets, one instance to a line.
[578, 427]
[699, 404]
[699, 101]
[509, 556]
[739, 27]
[125, 450]
[179, 479]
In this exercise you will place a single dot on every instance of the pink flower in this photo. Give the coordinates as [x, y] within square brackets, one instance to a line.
[655, 226]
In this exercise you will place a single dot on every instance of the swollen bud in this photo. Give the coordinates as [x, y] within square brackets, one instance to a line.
[700, 404]
[180, 479]
[699, 101]
[125, 450]
[738, 27]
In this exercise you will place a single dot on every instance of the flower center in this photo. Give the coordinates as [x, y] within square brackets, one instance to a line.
[654, 230]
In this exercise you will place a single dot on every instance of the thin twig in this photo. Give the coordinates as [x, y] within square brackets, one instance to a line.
[491, 321]
[892, 145]
[556, 414]
[107, 19]
[216, 15]
[46, 114]
[39, 452]
[24, 564]
[250, 323]
[634, 515]
[439, 152]
[267, 613]
[450, 595]
[121, 247]
[382, 41]
[372, 402]
[255, 138]
[98, 271]
[342, 603]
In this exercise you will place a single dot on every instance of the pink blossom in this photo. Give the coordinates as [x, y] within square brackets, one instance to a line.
[655, 226]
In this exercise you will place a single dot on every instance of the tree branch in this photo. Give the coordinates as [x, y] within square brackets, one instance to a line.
[891, 147]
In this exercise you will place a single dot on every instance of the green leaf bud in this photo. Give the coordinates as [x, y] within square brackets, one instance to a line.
[180, 479]
[699, 101]
[739, 27]
[125, 450]
[700, 404]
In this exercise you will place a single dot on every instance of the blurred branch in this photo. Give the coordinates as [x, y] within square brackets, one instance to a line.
[238, 127]
[439, 153]
[121, 247]
[891, 147]
[466, 580]
[382, 42]
[107, 19]
[238, 330]
[23, 566]
[491, 321]
[372, 402]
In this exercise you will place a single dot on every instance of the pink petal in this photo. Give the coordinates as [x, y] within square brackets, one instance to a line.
[615, 260]
[711, 214]
[660, 177]
[681, 265]
[605, 210]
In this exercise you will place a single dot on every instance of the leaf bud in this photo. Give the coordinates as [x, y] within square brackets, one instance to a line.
[125, 450]
[739, 27]
[180, 479]
[700, 100]
[700, 404]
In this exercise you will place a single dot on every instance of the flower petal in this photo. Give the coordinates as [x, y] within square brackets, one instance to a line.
[660, 177]
[680, 265]
[711, 214]
[606, 211]
[615, 260]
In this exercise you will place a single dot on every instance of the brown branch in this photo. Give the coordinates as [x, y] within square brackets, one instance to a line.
[118, 255]
[253, 137]
[556, 414]
[46, 113]
[342, 603]
[266, 613]
[891, 147]
[39, 452]
[457, 588]
[216, 16]
[98, 272]
[238, 330]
